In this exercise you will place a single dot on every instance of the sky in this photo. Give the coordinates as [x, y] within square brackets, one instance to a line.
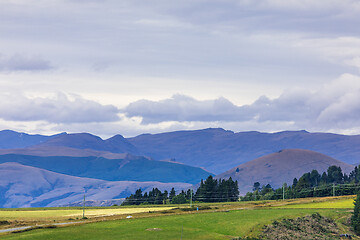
[129, 67]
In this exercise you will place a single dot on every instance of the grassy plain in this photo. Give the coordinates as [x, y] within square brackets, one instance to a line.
[72, 213]
[222, 221]
[336, 203]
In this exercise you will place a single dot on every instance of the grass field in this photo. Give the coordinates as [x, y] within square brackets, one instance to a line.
[76, 213]
[339, 203]
[222, 221]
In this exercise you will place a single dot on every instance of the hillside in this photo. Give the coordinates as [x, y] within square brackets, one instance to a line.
[115, 144]
[280, 167]
[218, 150]
[24, 186]
[128, 168]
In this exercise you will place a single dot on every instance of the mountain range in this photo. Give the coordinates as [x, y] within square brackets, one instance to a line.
[214, 149]
[181, 157]
[219, 150]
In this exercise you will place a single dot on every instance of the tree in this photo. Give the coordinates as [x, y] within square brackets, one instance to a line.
[355, 219]
[324, 179]
[295, 181]
[256, 186]
[266, 189]
[179, 199]
[354, 176]
[303, 182]
[315, 178]
[335, 174]
[172, 194]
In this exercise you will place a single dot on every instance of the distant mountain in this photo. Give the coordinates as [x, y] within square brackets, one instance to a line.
[46, 151]
[24, 186]
[218, 150]
[116, 144]
[280, 167]
[214, 149]
[128, 168]
[12, 139]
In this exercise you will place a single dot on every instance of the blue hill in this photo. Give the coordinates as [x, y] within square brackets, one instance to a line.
[130, 168]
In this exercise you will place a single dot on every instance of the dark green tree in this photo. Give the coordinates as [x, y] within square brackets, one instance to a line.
[295, 181]
[355, 219]
[179, 199]
[354, 176]
[323, 179]
[256, 186]
[335, 174]
[172, 194]
[315, 178]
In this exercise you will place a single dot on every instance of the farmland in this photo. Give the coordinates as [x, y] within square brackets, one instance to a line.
[216, 221]
[55, 214]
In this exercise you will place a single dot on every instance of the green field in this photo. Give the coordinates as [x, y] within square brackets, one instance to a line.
[222, 221]
[340, 203]
[54, 214]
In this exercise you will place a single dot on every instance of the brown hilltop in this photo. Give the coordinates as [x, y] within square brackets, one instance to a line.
[280, 167]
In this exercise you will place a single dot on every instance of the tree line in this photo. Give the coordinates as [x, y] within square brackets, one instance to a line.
[210, 190]
[311, 184]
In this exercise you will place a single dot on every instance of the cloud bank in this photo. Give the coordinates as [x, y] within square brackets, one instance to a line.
[335, 106]
[58, 109]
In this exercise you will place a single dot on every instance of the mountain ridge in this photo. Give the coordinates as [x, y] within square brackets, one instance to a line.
[205, 148]
[281, 167]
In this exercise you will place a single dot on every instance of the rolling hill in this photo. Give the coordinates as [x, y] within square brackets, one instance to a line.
[128, 168]
[25, 186]
[280, 167]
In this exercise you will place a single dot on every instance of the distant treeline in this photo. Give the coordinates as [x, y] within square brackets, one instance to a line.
[311, 184]
[210, 190]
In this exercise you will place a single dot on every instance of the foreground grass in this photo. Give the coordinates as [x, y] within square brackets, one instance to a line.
[222, 221]
[209, 225]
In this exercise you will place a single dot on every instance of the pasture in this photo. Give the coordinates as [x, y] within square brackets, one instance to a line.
[72, 213]
[218, 221]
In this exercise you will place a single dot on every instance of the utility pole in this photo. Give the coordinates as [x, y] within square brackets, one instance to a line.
[333, 189]
[84, 205]
[283, 191]
[191, 193]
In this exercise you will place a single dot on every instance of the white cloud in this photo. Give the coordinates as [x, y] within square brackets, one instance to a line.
[58, 109]
[355, 62]
[184, 108]
[335, 104]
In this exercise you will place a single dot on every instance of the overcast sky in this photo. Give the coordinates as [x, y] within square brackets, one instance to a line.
[128, 67]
